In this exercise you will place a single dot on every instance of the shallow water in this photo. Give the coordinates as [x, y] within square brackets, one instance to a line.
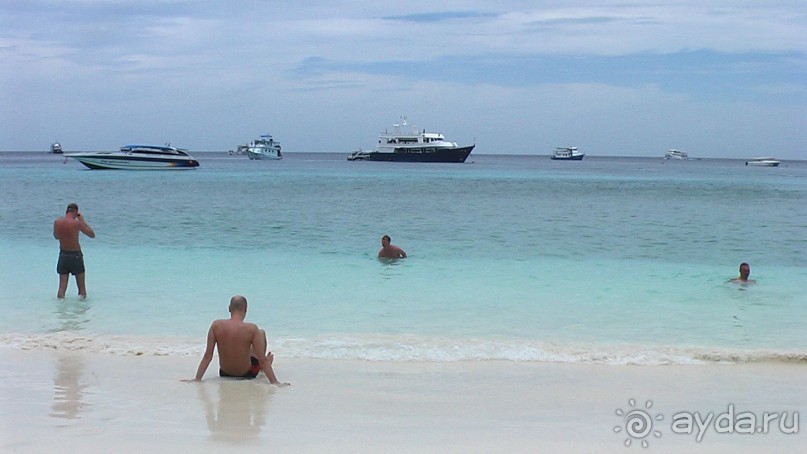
[619, 260]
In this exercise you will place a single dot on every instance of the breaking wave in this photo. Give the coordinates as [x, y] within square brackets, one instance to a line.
[410, 348]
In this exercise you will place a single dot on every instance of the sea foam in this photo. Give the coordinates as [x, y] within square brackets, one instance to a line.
[410, 348]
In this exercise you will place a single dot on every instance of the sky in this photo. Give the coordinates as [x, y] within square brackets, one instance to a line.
[718, 79]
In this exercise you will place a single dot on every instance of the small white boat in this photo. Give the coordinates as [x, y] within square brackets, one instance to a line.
[359, 155]
[567, 154]
[56, 148]
[264, 148]
[676, 154]
[763, 162]
[138, 157]
[240, 150]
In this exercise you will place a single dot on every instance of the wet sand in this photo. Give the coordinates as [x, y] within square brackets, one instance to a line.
[96, 402]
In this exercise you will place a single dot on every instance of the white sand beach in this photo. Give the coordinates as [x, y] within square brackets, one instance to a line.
[93, 402]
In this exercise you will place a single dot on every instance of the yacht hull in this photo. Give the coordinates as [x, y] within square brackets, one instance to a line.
[261, 155]
[578, 157]
[422, 154]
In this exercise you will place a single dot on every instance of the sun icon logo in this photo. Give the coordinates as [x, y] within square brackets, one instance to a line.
[638, 423]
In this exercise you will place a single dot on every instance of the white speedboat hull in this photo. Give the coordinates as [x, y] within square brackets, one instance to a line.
[126, 161]
[765, 163]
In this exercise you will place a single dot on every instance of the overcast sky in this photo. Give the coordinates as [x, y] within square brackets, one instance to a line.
[625, 78]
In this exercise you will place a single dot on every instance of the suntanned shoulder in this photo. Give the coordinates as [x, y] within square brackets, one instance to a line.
[253, 328]
[217, 323]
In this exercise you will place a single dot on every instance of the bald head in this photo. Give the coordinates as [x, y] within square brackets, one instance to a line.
[238, 304]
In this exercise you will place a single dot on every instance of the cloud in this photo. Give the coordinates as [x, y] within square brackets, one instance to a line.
[439, 16]
[186, 69]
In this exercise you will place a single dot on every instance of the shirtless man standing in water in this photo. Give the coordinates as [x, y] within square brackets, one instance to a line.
[241, 347]
[71, 260]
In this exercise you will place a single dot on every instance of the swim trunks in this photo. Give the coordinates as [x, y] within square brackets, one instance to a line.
[70, 262]
[251, 373]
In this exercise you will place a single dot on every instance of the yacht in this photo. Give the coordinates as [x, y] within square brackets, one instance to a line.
[567, 154]
[264, 148]
[675, 154]
[415, 145]
[138, 157]
[56, 148]
[763, 162]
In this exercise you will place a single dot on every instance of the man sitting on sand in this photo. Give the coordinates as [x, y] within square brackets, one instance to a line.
[745, 271]
[240, 345]
[390, 251]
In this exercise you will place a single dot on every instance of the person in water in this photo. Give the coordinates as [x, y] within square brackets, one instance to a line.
[241, 347]
[71, 260]
[745, 271]
[389, 250]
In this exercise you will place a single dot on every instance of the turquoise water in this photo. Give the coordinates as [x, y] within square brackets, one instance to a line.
[614, 260]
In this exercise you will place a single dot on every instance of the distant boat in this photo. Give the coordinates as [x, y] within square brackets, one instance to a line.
[359, 155]
[763, 162]
[264, 147]
[676, 154]
[56, 148]
[413, 146]
[138, 157]
[240, 150]
[567, 154]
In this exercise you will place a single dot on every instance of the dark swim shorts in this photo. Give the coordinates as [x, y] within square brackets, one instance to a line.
[251, 373]
[70, 262]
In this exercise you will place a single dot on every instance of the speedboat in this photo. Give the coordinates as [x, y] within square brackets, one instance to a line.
[567, 154]
[413, 145]
[138, 157]
[264, 148]
[359, 155]
[56, 148]
[675, 154]
[763, 162]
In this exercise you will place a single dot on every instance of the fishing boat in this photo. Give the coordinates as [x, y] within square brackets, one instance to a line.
[415, 145]
[56, 148]
[675, 154]
[567, 154]
[763, 162]
[264, 147]
[138, 157]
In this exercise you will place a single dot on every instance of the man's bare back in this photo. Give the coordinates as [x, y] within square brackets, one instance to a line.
[237, 343]
[67, 228]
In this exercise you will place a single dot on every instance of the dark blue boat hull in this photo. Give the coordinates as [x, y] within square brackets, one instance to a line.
[425, 154]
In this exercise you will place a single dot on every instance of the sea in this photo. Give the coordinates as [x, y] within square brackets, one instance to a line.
[609, 260]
